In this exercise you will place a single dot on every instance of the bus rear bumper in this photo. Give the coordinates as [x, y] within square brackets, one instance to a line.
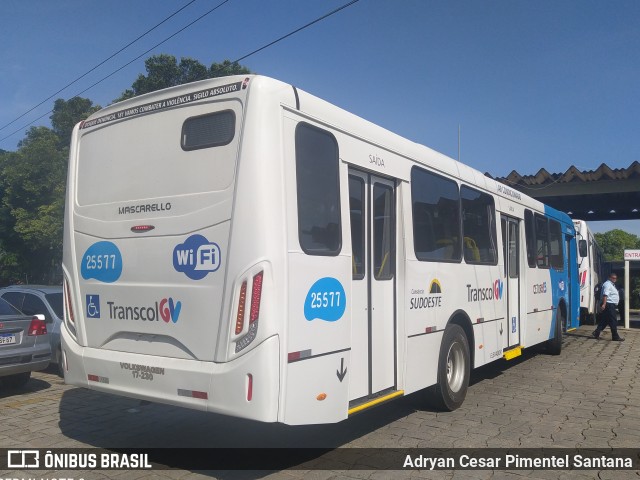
[247, 387]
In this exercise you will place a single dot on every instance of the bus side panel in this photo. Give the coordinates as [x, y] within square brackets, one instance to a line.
[315, 393]
[318, 343]
[484, 299]
[318, 318]
[539, 306]
[422, 361]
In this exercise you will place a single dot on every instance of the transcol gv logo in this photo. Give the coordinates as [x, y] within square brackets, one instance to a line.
[196, 257]
[166, 309]
[488, 293]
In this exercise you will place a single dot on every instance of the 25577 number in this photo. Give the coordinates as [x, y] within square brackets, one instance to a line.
[100, 262]
[325, 299]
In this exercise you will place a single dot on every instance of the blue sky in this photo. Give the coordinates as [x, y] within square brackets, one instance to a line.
[531, 84]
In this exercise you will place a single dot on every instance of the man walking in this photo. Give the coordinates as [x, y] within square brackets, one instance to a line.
[610, 299]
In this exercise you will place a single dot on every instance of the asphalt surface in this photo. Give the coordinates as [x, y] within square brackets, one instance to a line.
[588, 397]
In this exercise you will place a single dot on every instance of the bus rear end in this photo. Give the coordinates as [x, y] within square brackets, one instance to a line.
[154, 308]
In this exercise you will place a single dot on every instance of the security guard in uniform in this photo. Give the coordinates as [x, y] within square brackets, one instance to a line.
[610, 298]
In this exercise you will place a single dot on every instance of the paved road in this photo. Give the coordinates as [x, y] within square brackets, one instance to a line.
[587, 397]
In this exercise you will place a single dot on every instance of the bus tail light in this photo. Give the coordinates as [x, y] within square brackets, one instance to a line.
[69, 316]
[256, 295]
[241, 307]
[68, 303]
[254, 311]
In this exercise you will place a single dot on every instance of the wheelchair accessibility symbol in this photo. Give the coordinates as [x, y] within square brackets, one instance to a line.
[93, 306]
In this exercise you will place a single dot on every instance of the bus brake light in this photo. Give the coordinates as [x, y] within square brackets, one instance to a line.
[142, 228]
[256, 295]
[241, 306]
[69, 303]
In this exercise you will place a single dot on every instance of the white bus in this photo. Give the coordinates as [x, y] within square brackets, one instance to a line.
[590, 271]
[240, 246]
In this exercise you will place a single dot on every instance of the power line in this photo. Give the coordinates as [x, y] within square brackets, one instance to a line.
[95, 67]
[313, 22]
[121, 68]
[298, 30]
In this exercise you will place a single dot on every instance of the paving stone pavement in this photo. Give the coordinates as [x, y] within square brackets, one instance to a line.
[588, 397]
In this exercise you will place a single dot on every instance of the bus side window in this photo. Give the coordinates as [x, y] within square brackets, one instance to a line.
[542, 241]
[319, 224]
[383, 232]
[555, 245]
[530, 238]
[479, 227]
[436, 217]
[356, 207]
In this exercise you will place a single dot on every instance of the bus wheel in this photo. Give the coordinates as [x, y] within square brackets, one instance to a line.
[554, 346]
[453, 370]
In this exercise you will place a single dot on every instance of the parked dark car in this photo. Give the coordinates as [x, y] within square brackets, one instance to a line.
[24, 345]
[43, 300]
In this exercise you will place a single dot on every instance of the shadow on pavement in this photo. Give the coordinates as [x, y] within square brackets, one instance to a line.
[32, 386]
[107, 421]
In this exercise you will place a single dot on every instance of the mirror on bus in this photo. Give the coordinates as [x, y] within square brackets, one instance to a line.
[582, 248]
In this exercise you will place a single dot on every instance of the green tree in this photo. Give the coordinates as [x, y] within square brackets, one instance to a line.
[227, 68]
[32, 185]
[614, 242]
[164, 71]
[66, 113]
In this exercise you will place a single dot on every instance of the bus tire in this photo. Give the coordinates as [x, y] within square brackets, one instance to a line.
[454, 367]
[554, 345]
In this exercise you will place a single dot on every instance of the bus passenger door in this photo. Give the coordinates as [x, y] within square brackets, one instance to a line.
[511, 251]
[373, 237]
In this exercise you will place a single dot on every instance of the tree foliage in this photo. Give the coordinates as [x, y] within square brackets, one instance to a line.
[32, 184]
[66, 113]
[614, 242]
[32, 179]
[164, 71]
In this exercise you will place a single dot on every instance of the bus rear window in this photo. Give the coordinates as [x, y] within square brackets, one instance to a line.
[205, 131]
[159, 155]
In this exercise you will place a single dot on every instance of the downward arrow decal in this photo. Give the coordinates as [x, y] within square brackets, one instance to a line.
[342, 372]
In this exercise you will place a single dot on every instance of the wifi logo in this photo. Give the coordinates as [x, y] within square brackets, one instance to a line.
[197, 257]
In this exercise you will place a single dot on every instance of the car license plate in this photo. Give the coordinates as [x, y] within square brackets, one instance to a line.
[7, 338]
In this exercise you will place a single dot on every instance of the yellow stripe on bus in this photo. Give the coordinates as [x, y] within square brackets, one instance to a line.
[513, 353]
[375, 402]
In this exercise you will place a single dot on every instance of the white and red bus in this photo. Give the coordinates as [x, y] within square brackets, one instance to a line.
[590, 271]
